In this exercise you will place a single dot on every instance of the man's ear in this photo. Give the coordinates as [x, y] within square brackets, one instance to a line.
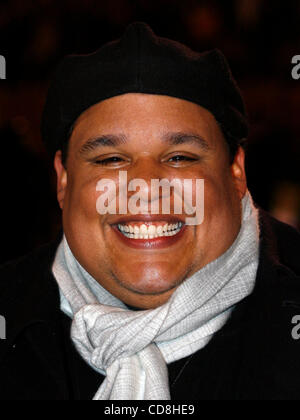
[238, 172]
[61, 173]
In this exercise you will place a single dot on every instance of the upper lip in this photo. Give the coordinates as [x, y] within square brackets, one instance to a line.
[148, 218]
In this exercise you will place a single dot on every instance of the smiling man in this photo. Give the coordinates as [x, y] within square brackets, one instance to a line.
[147, 304]
[148, 136]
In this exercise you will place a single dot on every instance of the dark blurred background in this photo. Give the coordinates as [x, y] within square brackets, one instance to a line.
[259, 38]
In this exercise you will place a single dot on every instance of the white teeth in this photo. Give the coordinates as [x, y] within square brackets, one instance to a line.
[151, 231]
[143, 230]
[159, 230]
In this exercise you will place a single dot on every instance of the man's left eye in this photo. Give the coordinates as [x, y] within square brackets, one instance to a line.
[179, 158]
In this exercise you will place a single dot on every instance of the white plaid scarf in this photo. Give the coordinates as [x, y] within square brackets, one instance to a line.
[132, 348]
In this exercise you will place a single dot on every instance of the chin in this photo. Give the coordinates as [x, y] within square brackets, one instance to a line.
[153, 282]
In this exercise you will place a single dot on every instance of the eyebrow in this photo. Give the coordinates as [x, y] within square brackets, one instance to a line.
[183, 138]
[172, 138]
[104, 140]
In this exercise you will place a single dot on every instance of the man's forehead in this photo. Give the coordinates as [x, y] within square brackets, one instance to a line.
[118, 122]
[137, 108]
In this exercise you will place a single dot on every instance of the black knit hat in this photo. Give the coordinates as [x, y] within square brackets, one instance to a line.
[142, 62]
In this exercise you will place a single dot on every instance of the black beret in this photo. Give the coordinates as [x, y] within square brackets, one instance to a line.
[142, 62]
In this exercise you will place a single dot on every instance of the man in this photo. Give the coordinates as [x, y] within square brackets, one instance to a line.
[152, 304]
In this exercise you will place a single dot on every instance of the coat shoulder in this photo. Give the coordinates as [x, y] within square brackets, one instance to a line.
[282, 241]
[17, 274]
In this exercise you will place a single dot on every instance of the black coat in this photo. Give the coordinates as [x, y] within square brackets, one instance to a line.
[254, 356]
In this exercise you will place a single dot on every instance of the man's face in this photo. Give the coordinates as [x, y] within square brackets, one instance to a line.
[150, 137]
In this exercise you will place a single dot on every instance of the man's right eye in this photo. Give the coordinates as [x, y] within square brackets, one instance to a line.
[107, 161]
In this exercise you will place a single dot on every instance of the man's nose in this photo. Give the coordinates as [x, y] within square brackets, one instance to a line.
[146, 169]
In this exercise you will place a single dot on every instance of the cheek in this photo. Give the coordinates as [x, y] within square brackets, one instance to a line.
[213, 188]
[221, 209]
[83, 226]
[219, 185]
[216, 194]
[80, 202]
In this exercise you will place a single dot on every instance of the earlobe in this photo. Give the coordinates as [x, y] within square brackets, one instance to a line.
[238, 172]
[61, 173]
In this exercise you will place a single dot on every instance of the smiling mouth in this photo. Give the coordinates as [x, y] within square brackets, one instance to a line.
[146, 230]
